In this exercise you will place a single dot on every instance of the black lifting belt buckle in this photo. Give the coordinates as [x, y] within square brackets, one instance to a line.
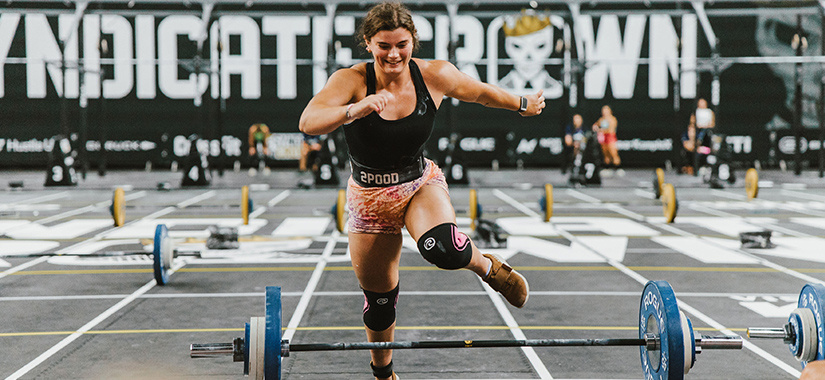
[369, 177]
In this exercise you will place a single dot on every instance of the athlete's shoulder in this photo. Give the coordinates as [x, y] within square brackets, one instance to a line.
[354, 71]
[433, 67]
[349, 78]
[438, 74]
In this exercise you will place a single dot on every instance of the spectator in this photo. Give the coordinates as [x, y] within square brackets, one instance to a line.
[689, 147]
[606, 128]
[573, 136]
[258, 149]
[309, 151]
[705, 118]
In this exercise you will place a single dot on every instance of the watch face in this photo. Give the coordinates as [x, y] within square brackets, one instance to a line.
[523, 105]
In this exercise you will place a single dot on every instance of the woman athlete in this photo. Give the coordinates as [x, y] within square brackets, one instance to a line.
[387, 108]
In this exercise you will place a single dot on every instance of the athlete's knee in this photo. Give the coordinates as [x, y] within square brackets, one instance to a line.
[446, 247]
[379, 309]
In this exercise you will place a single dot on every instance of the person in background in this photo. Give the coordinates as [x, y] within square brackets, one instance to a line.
[688, 152]
[606, 129]
[573, 136]
[705, 118]
[309, 150]
[258, 149]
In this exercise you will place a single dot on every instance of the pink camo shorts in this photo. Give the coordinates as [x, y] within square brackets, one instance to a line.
[381, 210]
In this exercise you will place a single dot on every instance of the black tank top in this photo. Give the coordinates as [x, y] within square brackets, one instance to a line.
[392, 144]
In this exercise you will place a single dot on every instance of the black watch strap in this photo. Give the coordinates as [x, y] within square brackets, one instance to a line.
[523, 106]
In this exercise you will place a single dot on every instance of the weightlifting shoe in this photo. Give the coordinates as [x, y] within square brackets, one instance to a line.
[505, 280]
[394, 377]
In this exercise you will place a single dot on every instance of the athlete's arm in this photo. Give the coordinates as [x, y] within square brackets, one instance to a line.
[450, 81]
[333, 106]
[327, 110]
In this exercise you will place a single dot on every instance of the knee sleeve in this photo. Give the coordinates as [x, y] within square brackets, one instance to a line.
[379, 309]
[445, 247]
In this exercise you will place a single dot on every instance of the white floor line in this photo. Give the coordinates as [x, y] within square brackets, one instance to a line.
[714, 212]
[783, 230]
[802, 211]
[534, 359]
[66, 341]
[747, 344]
[159, 213]
[762, 261]
[278, 198]
[517, 205]
[644, 194]
[725, 194]
[196, 199]
[533, 293]
[258, 211]
[625, 212]
[79, 211]
[303, 303]
[77, 334]
[812, 197]
[68, 214]
[42, 198]
[674, 230]
[582, 196]
[642, 280]
[25, 265]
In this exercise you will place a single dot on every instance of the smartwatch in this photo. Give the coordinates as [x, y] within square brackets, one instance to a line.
[523, 106]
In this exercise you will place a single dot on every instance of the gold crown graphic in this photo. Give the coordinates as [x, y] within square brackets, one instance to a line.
[525, 24]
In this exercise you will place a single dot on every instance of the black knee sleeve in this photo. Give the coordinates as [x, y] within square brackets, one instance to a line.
[379, 309]
[445, 247]
[382, 372]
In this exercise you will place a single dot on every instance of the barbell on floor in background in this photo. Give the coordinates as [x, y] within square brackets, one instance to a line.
[667, 342]
[338, 210]
[546, 202]
[752, 183]
[670, 204]
[118, 207]
[658, 181]
[165, 248]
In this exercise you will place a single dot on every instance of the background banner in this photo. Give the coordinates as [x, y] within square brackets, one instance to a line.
[145, 94]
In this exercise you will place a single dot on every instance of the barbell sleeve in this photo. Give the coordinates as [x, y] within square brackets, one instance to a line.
[207, 350]
[724, 342]
[211, 350]
[766, 333]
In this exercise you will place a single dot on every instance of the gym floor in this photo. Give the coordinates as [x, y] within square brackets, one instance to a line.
[96, 317]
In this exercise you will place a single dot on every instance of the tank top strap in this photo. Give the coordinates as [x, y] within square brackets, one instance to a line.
[420, 86]
[370, 79]
[415, 73]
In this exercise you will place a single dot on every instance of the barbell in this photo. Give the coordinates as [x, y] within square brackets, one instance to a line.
[667, 342]
[752, 183]
[804, 333]
[118, 207]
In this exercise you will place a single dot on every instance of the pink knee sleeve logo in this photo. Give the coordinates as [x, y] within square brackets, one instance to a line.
[460, 240]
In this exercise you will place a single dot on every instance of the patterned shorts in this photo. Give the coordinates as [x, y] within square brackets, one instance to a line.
[381, 210]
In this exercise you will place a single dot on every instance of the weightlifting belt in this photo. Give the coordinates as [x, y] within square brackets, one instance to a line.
[369, 177]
